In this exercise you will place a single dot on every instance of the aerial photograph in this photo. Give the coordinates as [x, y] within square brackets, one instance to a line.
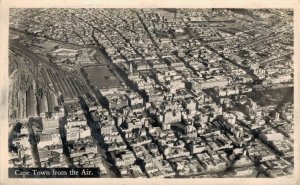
[152, 93]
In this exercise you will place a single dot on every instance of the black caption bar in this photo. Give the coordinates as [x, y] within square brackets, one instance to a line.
[53, 172]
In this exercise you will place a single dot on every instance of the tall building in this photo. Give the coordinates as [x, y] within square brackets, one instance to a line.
[50, 123]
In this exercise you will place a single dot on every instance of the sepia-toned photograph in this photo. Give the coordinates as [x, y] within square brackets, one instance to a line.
[150, 93]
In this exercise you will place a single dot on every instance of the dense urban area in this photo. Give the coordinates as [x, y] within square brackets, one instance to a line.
[149, 93]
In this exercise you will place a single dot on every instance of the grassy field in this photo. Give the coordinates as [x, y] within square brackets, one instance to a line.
[273, 96]
[101, 77]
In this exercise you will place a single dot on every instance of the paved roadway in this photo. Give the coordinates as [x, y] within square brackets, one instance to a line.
[223, 57]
